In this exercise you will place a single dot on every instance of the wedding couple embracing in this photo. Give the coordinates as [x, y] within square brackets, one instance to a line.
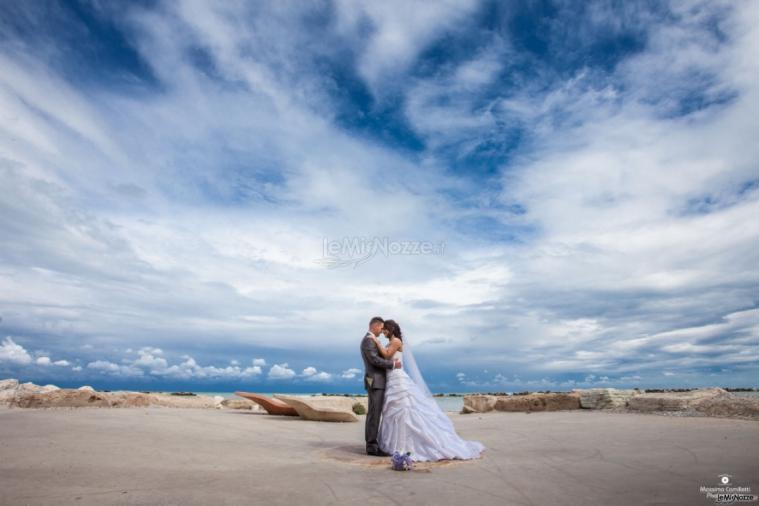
[403, 415]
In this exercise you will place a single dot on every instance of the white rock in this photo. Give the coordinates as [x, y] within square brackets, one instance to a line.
[8, 384]
[323, 409]
[676, 401]
[604, 398]
[29, 387]
[9, 395]
[87, 388]
[479, 403]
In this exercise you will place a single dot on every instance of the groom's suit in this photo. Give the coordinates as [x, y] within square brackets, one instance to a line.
[375, 369]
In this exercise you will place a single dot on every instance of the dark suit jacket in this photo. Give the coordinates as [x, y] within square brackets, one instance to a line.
[375, 367]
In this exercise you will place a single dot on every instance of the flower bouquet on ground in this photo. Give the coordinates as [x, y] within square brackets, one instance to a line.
[402, 461]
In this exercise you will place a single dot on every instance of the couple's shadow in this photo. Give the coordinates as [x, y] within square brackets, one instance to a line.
[356, 454]
[352, 454]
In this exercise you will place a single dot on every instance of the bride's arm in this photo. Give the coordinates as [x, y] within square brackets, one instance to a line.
[388, 352]
[382, 349]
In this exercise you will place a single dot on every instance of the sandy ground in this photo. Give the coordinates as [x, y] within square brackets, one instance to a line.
[216, 457]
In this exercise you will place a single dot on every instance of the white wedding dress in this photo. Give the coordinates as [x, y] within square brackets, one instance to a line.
[412, 421]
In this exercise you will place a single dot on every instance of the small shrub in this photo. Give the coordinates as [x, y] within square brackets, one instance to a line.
[359, 409]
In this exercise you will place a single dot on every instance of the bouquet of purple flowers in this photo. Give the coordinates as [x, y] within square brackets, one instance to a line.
[402, 461]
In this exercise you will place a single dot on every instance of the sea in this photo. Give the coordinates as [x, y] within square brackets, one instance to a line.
[450, 402]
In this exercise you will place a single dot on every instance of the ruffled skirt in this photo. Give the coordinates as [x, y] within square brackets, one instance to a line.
[413, 422]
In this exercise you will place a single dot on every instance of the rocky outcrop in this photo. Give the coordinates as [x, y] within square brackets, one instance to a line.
[61, 398]
[8, 384]
[241, 404]
[604, 398]
[8, 390]
[702, 402]
[272, 406]
[322, 409]
[675, 401]
[479, 403]
[173, 401]
[528, 402]
[538, 402]
[732, 406]
[713, 401]
[70, 398]
[14, 390]
[29, 395]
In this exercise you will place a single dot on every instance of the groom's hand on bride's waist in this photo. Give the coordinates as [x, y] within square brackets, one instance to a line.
[397, 364]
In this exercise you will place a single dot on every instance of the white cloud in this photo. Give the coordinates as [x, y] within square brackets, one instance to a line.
[190, 369]
[146, 363]
[252, 371]
[147, 358]
[312, 374]
[400, 30]
[259, 361]
[320, 376]
[281, 371]
[76, 368]
[43, 360]
[103, 365]
[350, 373]
[110, 368]
[14, 353]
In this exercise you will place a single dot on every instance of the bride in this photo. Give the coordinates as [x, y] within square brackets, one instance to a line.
[412, 421]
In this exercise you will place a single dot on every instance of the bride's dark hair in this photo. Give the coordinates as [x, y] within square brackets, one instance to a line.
[394, 329]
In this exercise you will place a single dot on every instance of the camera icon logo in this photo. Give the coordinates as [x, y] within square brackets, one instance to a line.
[724, 479]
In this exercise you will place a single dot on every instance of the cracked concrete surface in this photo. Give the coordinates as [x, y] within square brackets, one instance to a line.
[167, 456]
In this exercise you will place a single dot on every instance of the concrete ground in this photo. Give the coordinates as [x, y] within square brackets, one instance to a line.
[171, 456]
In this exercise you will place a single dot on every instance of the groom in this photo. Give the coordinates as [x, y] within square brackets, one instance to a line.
[375, 368]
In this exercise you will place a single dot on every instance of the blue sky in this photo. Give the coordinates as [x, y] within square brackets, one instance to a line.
[172, 170]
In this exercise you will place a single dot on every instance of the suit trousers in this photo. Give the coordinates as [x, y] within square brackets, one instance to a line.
[376, 400]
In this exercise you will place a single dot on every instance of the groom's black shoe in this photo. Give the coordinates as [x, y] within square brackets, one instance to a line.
[377, 453]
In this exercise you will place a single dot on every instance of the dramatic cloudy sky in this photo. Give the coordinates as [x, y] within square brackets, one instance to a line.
[584, 177]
